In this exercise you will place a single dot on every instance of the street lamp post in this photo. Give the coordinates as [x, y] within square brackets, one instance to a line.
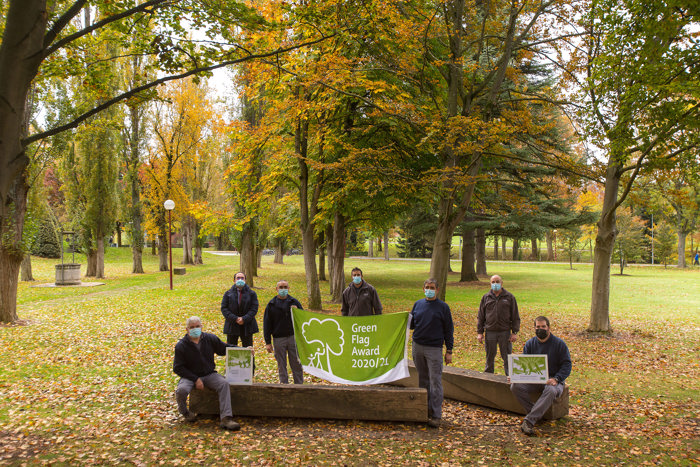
[169, 205]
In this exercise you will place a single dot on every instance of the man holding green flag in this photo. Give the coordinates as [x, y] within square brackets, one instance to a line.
[432, 327]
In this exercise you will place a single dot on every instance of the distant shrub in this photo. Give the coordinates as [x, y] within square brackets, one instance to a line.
[47, 243]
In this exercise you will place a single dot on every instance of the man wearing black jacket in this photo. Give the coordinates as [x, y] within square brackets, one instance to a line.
[239, 307]
[194, 364]
[277, 325]
[559, 367]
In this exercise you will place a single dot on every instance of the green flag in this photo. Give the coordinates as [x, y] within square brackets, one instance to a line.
[352, 349]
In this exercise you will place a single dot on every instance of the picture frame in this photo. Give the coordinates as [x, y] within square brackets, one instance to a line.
[528, 368]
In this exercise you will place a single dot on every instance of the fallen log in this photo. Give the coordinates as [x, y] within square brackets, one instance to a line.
[319, 401]
[485, 389]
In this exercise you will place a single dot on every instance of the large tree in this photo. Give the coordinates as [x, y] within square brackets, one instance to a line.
[37, 37]
[642, 107]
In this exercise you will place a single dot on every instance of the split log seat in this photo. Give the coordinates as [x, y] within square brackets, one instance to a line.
[485, 389]
[397, 404]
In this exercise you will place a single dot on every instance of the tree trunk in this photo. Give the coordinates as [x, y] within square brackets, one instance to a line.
[91, 270]
[247, 254]
[329, 247]
[338, 258]
[258, 256]
[26, 268]
[154, 240]
[504, 250]
[370, 247]
[386, 245]
[480, 252]
[495, 247]
[321, 257]
[516, 248]
[279, 251]
[604, 242]
[9, 264]
[468, 273]
[550, 247]
[308, 208]
[439, 264]
[100, 257]
[21, 52]
[379, 244]
[681, 248]
[534, 251]
[187, 241]
[198, 244]
[119, 234]
[163, 244]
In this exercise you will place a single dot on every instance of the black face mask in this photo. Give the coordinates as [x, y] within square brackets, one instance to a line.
[541, 333]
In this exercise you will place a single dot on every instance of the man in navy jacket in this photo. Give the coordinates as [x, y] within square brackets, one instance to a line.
[194, 364]
[239, 307]
[559, 366]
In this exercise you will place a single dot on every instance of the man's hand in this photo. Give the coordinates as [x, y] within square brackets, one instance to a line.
[268, 347]
[239, 320]
[448, 358]
[552, 382]
[513, 337]
[480, 338]
[199, 384]
[508, 379]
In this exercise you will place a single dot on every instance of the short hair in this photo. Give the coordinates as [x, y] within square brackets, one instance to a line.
[431, 280]
[542, 318]
[281, 280]
[193, 319]
[356, 269]
[240, 272]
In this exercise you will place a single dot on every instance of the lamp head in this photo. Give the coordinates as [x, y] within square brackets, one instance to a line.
[169, 205]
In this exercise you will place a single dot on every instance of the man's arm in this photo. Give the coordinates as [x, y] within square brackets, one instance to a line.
[376, 304]
[225, 309]
[514, 317]
[180, 366]
[564, 364]
[344, 307]
[267, 324]
[253, 309]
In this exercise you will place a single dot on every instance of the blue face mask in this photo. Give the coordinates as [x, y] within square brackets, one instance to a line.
[429, 293]
[495, 286]
[195, 333]
[357, 279]
[240, 283]
[283, 292]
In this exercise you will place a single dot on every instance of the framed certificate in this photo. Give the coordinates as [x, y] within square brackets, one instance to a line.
[239, 365]
[528, 368]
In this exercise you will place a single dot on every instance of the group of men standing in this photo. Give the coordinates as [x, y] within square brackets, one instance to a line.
[498, 324]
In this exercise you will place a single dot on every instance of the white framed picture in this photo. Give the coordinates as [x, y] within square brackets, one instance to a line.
[239, 365]
[528, 368]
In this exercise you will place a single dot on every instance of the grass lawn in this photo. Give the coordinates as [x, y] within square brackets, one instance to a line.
[88, 377]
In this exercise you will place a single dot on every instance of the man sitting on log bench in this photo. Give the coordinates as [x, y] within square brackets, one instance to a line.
[559, 366]
[194, 364]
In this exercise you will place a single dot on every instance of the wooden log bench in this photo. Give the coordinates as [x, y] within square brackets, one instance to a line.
[179, 271]
[397, 404]
[485, 389]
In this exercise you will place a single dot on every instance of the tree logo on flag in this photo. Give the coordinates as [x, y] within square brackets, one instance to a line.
[327, 337]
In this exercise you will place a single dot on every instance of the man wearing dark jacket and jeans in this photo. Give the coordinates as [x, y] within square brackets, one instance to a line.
[277, 324]
[239, 307]
[497, 323]
[559, 367]
[194, 364]
[431, 321]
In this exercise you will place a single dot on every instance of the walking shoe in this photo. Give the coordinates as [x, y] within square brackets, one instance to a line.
[190, 417]
[434, 422]
[526, 428]
[227, 423]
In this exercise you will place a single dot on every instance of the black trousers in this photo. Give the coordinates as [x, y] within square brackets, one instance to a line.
[246, 341]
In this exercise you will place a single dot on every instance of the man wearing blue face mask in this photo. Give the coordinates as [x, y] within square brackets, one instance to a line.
[277, 325]
[239, 307]
[194, 364]
[360, 298]
[497, 323]
[431, 321]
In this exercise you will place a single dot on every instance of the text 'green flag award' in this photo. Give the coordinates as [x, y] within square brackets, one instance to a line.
[352, 349]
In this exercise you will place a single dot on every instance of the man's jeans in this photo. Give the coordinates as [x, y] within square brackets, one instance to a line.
[536, 411]
[286, 346]
[494, 341]
[428, 361]
[212, 381]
